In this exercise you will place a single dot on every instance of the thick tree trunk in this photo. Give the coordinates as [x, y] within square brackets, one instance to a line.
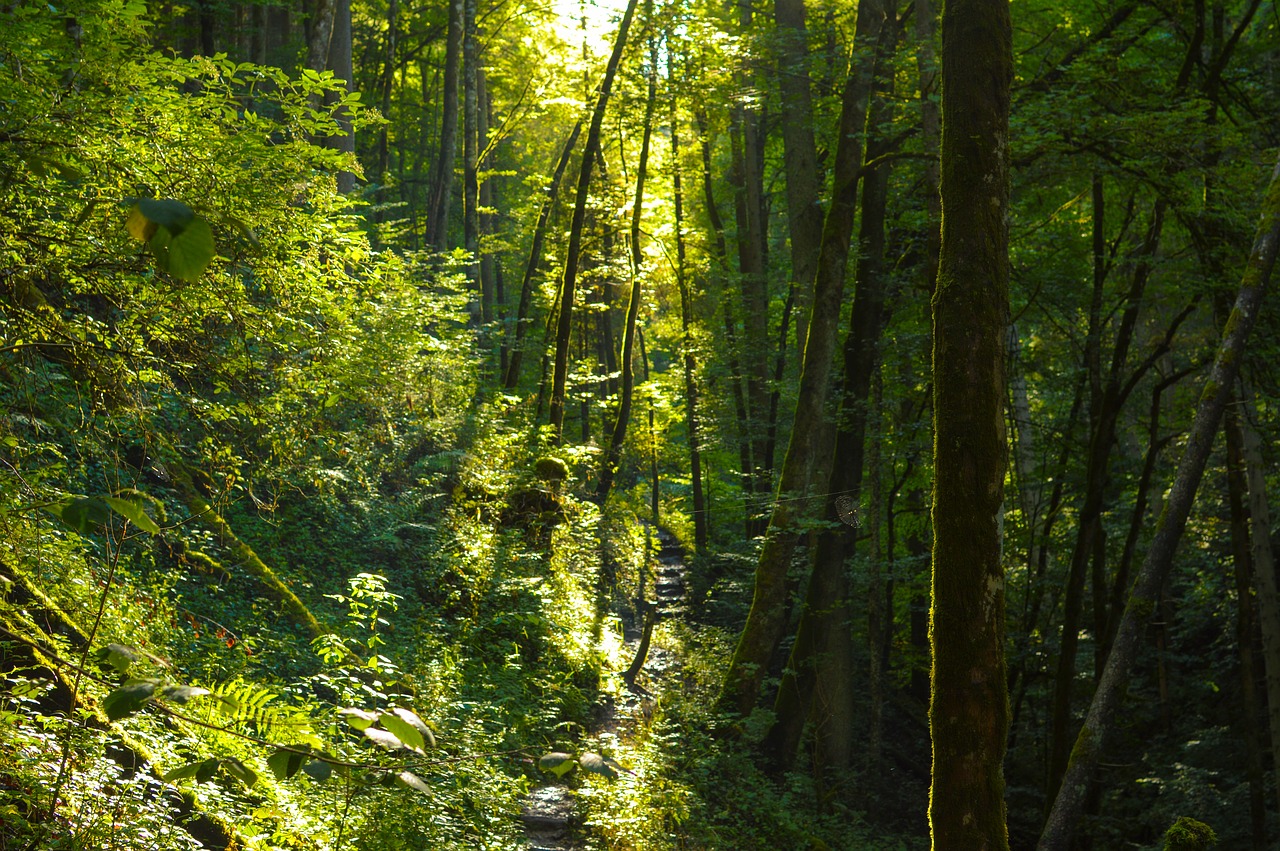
[613, 457]
[569, 280]
[765, 621]
[1101, 718]
[442, 182]
[535, 259]
[969, 709]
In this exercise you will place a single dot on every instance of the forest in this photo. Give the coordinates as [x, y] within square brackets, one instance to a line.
[644, 424]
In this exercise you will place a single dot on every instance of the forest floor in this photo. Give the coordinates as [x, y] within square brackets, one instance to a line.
[550, 812]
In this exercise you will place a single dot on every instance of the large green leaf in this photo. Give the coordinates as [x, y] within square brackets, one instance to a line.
[285, 763]
[386, 739]
[408, 733]
[187, 254]
[133, 512]
[83, 513]
[240, 771]
[557, 763]
[596, 764]
[173, 216]
[116, 656]
[318, 770]
[413, 781]
[128, 699]
[359, 718]
[180, 693]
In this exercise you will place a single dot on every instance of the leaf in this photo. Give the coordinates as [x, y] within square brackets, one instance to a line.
[133, 512]
[83, 514]
[139, 226]
[557, 763]
[413, 781]
[206, 770]
[240, 771]
[358, 718]
[403, 730]
[596, 764]
[180, 693]
[117, 656]
[390, 741]
[284, 764]
[182, 772]
[128, 699]
[187, 254]
[411, 717]
[318, 770]
[173, 216]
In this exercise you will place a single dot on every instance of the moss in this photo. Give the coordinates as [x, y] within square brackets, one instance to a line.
[1187, 834]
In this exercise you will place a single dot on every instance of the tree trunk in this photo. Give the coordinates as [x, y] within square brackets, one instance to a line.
[471, 158]
[339, 62]
[1264, 574]
[567, 286]
[1101, 718]
[1246, 623]
[969, 708]
[765, 621]
[442, 182]
[613, 457]
[804, 214]
[535, 258]
[688, 359]
[323, 14]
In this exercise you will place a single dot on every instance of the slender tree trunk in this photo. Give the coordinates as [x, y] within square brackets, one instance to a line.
[442, 182]
[388, 81]
[765, 621]
[688, 358]
[339, 62]
[484, 201]
[535, 259]
[969, 709]
[579, 217]
[471, 157]
[1100, 721]
[1264, 576]
[804, 214]
[614, 455]
[1246, 623]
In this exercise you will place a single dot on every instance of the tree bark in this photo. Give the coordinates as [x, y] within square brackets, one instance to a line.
[569, 280]
[471, 157]
[535, 259]
[969, 708]
[442, 182]
[614, 455]
[765, 621]
[1101, 718]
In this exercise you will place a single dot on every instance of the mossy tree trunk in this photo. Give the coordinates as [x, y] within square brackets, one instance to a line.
[766, 619]
[968, 709]
[1100, 720]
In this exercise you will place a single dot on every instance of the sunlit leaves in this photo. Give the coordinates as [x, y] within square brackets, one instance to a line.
[181, 241]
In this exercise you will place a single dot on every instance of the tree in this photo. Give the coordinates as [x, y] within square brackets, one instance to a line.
[968, 709]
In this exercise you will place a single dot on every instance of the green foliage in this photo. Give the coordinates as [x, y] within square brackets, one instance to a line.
[1187, 834]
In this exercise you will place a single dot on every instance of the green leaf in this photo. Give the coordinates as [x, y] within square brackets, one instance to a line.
[358, 718]
[390, 741]
[187, 254]
[206, 770]
[182, 772]
[240, 771]
[413, 781]
[284, 764]
[557, 763]
[596, 764]
[403, 730]
[133, 512]
[83, 514]
[116, 656]
[128, 699]
[318, 770]
[173, 216]
[410, 717]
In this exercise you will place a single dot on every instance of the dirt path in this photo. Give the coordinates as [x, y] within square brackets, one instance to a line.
[549, 811]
